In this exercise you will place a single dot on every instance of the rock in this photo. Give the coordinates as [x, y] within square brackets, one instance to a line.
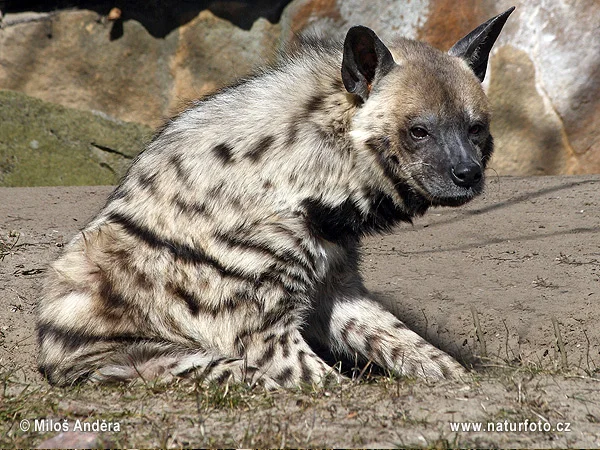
[75, 439]
[212, 53]
[43, 144]
[74, 58]
[563, 44]
[528, 135]
[69, 59]
[149, 61]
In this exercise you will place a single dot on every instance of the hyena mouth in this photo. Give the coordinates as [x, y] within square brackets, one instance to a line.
[444, 192]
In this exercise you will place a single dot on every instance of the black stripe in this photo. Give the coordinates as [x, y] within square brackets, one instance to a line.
[414, 203]
[216, 191]
[300, 246]
[223, 152]
[276, 316]
[188, 298]
[180, 251]
[72, 340]
[176, 161]
[120, 192]
[313, 104]
[291, 283]
[284, 340]
[285, 257]
[224, 376]
[148, 181]
[306, 373]
[203, 372]
[197, 306]
[285, 376]
[256, 152]
[292, 133]
[193, 208]
[347, 329]
[267, 356]
[334, 223]
[396, 353]
[270, 337]
[112, 298]
[345, 221]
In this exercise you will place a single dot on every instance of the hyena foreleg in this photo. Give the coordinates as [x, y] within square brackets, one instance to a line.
[355, 325]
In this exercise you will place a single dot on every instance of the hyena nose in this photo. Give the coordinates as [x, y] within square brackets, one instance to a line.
[466, 174]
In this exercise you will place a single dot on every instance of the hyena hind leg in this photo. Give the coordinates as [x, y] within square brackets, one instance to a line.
[283, 355]
[151, 361]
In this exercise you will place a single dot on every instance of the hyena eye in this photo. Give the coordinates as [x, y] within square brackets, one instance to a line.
[475, 129]
[418, 133]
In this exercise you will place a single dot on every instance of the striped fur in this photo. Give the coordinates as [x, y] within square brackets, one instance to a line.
[230, 249]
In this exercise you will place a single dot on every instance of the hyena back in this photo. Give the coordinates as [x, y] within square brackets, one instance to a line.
[231, 247]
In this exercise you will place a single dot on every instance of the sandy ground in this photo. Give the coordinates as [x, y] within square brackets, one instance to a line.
[522, 261]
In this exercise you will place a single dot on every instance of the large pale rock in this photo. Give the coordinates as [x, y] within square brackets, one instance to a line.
[529, 136]
[212, 52]
[543, 80]
[69, 58]
[562, 42]
[73, 58]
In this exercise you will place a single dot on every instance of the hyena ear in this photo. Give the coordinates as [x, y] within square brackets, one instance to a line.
[475, 47]
[366, 59]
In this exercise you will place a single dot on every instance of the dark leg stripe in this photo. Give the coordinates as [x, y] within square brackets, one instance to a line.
[306, 373]
[73, 340]
[267, 356]
[285, 345]
[224, 376]
[180, 251]
[285, 376]
[347, 329]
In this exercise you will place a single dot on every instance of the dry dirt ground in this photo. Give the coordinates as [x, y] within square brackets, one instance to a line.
[509, 283]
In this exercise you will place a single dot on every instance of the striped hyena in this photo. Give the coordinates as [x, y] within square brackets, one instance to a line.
[231, 246]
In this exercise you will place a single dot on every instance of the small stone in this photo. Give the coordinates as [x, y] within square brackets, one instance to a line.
[73, 439]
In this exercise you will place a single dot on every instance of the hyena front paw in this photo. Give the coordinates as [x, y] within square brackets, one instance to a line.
[428, 363]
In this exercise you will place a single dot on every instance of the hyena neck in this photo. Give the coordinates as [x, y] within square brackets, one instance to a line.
[366, 205]
[362, 214]
[360, 203]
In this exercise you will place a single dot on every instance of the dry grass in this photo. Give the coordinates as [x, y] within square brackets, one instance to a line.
[381, 411]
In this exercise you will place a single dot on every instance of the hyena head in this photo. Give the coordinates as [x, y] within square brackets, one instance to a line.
[424, 112]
